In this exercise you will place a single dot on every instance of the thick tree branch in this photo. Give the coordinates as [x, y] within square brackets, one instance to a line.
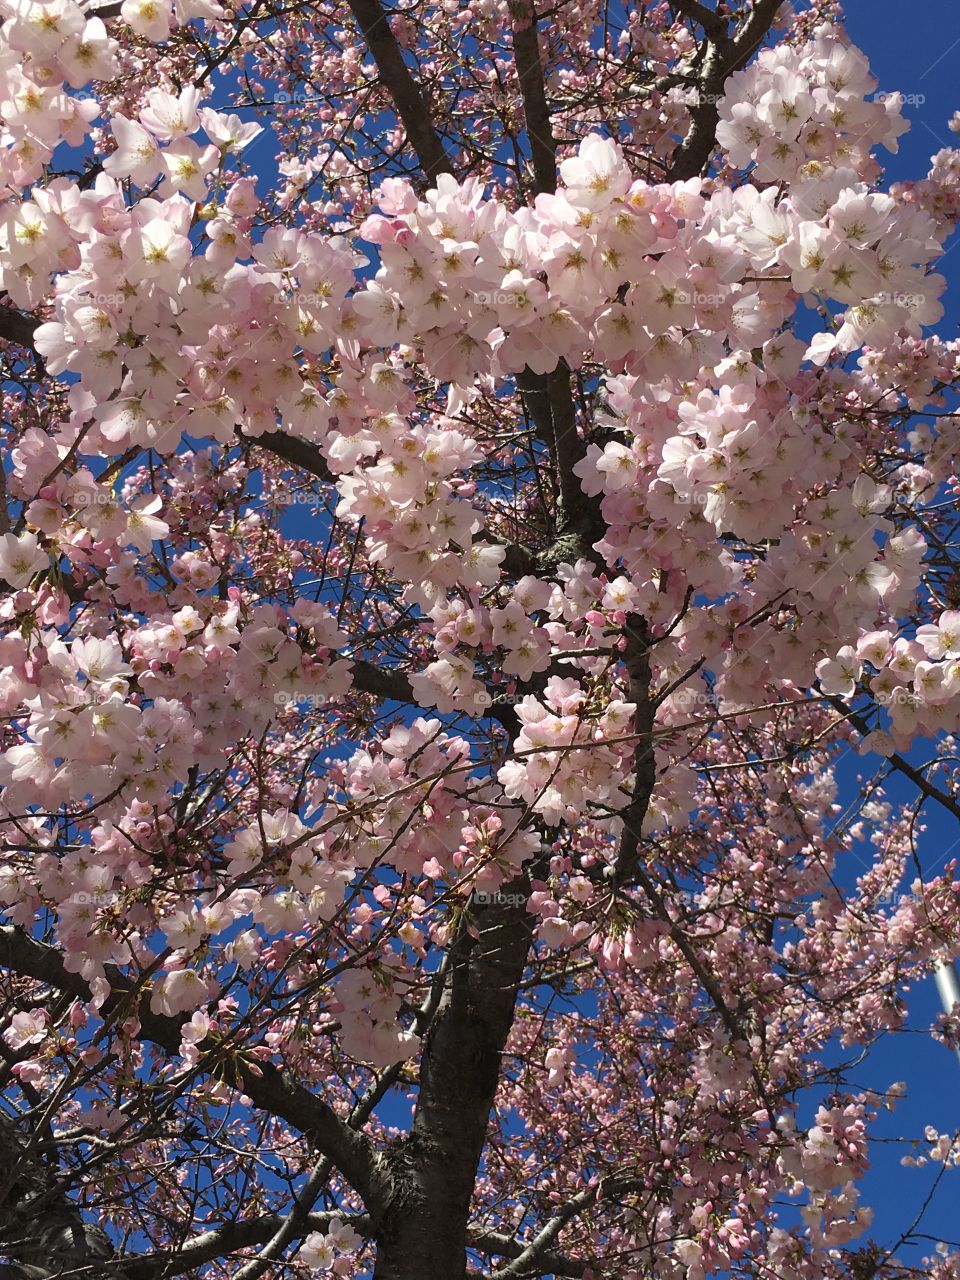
[504, 1246]
[221, 1242]
[17, 327]
[519, 560]
[268, 1088]
[299, 453]
[292, 1226]
[722, 56]
[296, 1222]
[381, 682]
[548, 397]
[753, 32]
[637, 661]
[406, 94]
[575, 509]
[548, 400]
[40, 1226]
[697, 147]
[227, 1239]
[711, 21]
[424, 1233]
[526, 50]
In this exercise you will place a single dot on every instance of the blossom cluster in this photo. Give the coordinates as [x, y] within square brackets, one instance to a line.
[808, 109]
[97, 717]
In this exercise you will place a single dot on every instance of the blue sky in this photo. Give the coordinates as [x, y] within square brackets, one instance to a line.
[915, 49]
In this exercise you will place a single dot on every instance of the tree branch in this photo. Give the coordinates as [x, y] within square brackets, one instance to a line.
[382, 682]
[637, 661]
[575, 511]
[711, 21]
[896, 761]
[548, 400]
[17, 327]
[754, 30]
[694, 152]
[268, 1088]
[40, 1226]
[299, 453]
[504, 1246]
[225, 1240]
[534, 1253]
[408, 99]
[526, 52]
[723, 56]
[292, 1226]
[435, 1167]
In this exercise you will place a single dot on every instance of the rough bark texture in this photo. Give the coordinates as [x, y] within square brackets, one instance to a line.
[41, 1229]
[423, 1233]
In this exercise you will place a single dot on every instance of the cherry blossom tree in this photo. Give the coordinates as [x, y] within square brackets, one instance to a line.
[476, 474]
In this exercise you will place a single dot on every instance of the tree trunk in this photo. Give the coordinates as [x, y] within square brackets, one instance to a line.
[41, 1231]
[422, 1236]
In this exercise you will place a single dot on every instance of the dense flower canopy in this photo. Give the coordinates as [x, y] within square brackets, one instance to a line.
[474, 475]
